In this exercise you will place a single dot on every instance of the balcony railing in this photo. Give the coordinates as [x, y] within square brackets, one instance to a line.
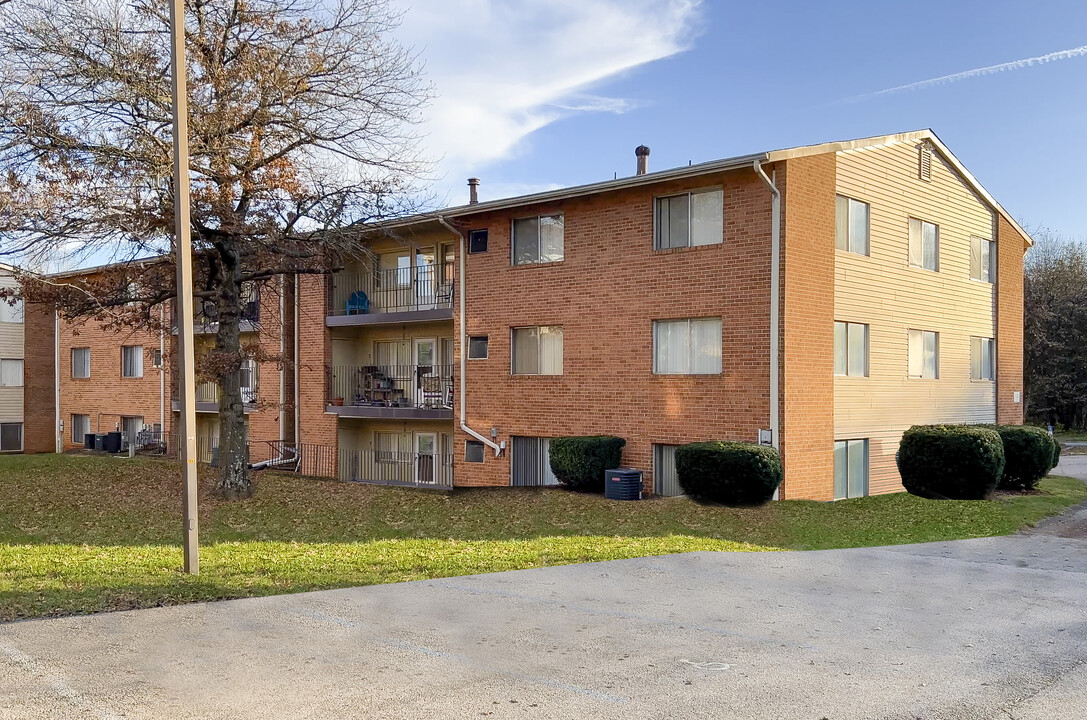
[392, 386]
[208, 391]
[396, 468]
[426, 287]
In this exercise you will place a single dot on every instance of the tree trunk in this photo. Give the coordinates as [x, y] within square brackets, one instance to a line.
[234, 480]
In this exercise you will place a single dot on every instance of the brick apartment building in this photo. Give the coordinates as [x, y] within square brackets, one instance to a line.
[821, 298]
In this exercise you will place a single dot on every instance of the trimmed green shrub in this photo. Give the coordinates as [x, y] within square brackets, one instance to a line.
[956, 462]
[1056, 452]
[732, 473]
[579, 462]
[1028, 456]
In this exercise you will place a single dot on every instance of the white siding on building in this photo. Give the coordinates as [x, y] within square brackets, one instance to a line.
[11, 348]
[892, 297]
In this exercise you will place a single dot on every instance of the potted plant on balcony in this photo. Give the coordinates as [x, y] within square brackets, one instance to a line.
[337, 401]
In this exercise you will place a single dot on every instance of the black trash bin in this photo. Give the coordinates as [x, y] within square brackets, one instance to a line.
[113, 442]
[99, 441]
[623, 484]
[88, 441]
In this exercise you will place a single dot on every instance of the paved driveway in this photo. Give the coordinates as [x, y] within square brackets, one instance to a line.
[993, 628]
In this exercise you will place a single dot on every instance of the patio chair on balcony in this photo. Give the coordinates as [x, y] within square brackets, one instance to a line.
[445, 294]
[358, 303]
[432, 391]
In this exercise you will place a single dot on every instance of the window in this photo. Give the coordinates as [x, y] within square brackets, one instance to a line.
[156, 358]
[690, 220]
[850, 349]
[11, 312]
[81, 362]
[473, 451]
[982, 358]
[81, 426]
[538, 239]
[477, 347]
[11, 373]
[665, 479]
[981, 260]
[850, 469]
[132, 361]
[11, 437]
[131, 428]
[387, 446]
[924, 354]
[924, 245]
[530, 465]
[248, 381]
[687, 347]
[477, 241]
[851, 225]
[537, 350]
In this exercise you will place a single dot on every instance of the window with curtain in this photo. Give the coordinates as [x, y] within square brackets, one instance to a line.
[687, 347]
[388, 445]
[11, 373]
[850, 469]
[851, 225]
[690, 219]
[11, 312]
[11, 437]
[537, 350]
[924, 354]
[982, 358]
[81, 363]
[538, 239]
[850, 349]
[247, 379]
[981, 260]
[81, 426]
[924, 245]
[132, 361]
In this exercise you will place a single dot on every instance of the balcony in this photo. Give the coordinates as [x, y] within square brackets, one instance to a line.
[203, 324]
[392, 392]
[207, 397]
[416, 294]
[396, 468]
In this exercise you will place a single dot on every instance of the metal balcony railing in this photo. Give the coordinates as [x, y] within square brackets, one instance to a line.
[396, 468]
[425, 287]
[400, 386]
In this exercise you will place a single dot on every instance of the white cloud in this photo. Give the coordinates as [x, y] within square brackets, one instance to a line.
[503, 69]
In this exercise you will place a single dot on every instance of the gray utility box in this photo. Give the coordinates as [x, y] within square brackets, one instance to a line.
[623, 484]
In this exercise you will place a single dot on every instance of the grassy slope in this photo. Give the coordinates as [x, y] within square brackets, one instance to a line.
[80, 534]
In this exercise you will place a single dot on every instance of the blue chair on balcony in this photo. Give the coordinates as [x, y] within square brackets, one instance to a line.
[358, 303]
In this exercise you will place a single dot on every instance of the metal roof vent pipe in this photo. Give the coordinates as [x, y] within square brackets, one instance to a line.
[642, 151]
[473, 191]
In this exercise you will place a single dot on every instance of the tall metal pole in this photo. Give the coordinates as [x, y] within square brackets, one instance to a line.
[186, 358]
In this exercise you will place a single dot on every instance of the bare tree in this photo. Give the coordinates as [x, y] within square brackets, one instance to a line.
[301, 121]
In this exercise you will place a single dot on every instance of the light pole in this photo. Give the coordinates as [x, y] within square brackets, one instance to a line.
[184, 302]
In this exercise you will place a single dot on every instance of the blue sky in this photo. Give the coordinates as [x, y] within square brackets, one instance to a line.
[545, 93]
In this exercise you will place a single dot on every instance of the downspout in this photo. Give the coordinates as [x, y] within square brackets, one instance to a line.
[775, 307]
[463, 344]
[162, 369]
[282, 349]
[57, 431]
[297, 392]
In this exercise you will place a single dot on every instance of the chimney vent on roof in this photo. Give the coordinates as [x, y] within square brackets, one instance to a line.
[473, 191]
[642, 151]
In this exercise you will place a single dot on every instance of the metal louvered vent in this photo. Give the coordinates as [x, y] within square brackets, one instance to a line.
[924, 161]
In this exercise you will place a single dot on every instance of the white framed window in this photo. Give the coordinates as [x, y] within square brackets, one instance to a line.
[850, 349]
[473, 451]
[982, 358]
[850, 468]
[81, 426]
[665, 479]
[247, 379]
[924, 354]
[81, 363]
[11, 437]
[388, 446]
[11, 373]
[11, 312]
[689, 219]
[537, 350]
[982, 257]
[687, 347]
[132, 361]
[478, 347]
[851, 225]
[156, 358]
[538, 239]
[924, 245]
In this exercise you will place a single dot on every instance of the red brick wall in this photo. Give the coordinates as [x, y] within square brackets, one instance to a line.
[1009, 323]
[39, 399]
[605, 293]
[314, 353]
[807, 429]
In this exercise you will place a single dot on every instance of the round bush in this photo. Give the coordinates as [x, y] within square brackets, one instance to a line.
[732, 473]
[579, 462]
[956, 462]
[1056, 452]
[1028, 456]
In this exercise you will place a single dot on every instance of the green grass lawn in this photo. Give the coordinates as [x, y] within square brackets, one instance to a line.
[85, 534]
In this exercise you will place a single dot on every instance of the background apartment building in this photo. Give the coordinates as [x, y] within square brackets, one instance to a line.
[12, 351]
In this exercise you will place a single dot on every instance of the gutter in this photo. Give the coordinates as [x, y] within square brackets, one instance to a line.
[775, 304]
[464, 345]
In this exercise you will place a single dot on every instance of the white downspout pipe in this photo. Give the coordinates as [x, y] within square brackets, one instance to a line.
[57, 431]
[464, 344]
[297, 362]
[162, 369]
[775, 307]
